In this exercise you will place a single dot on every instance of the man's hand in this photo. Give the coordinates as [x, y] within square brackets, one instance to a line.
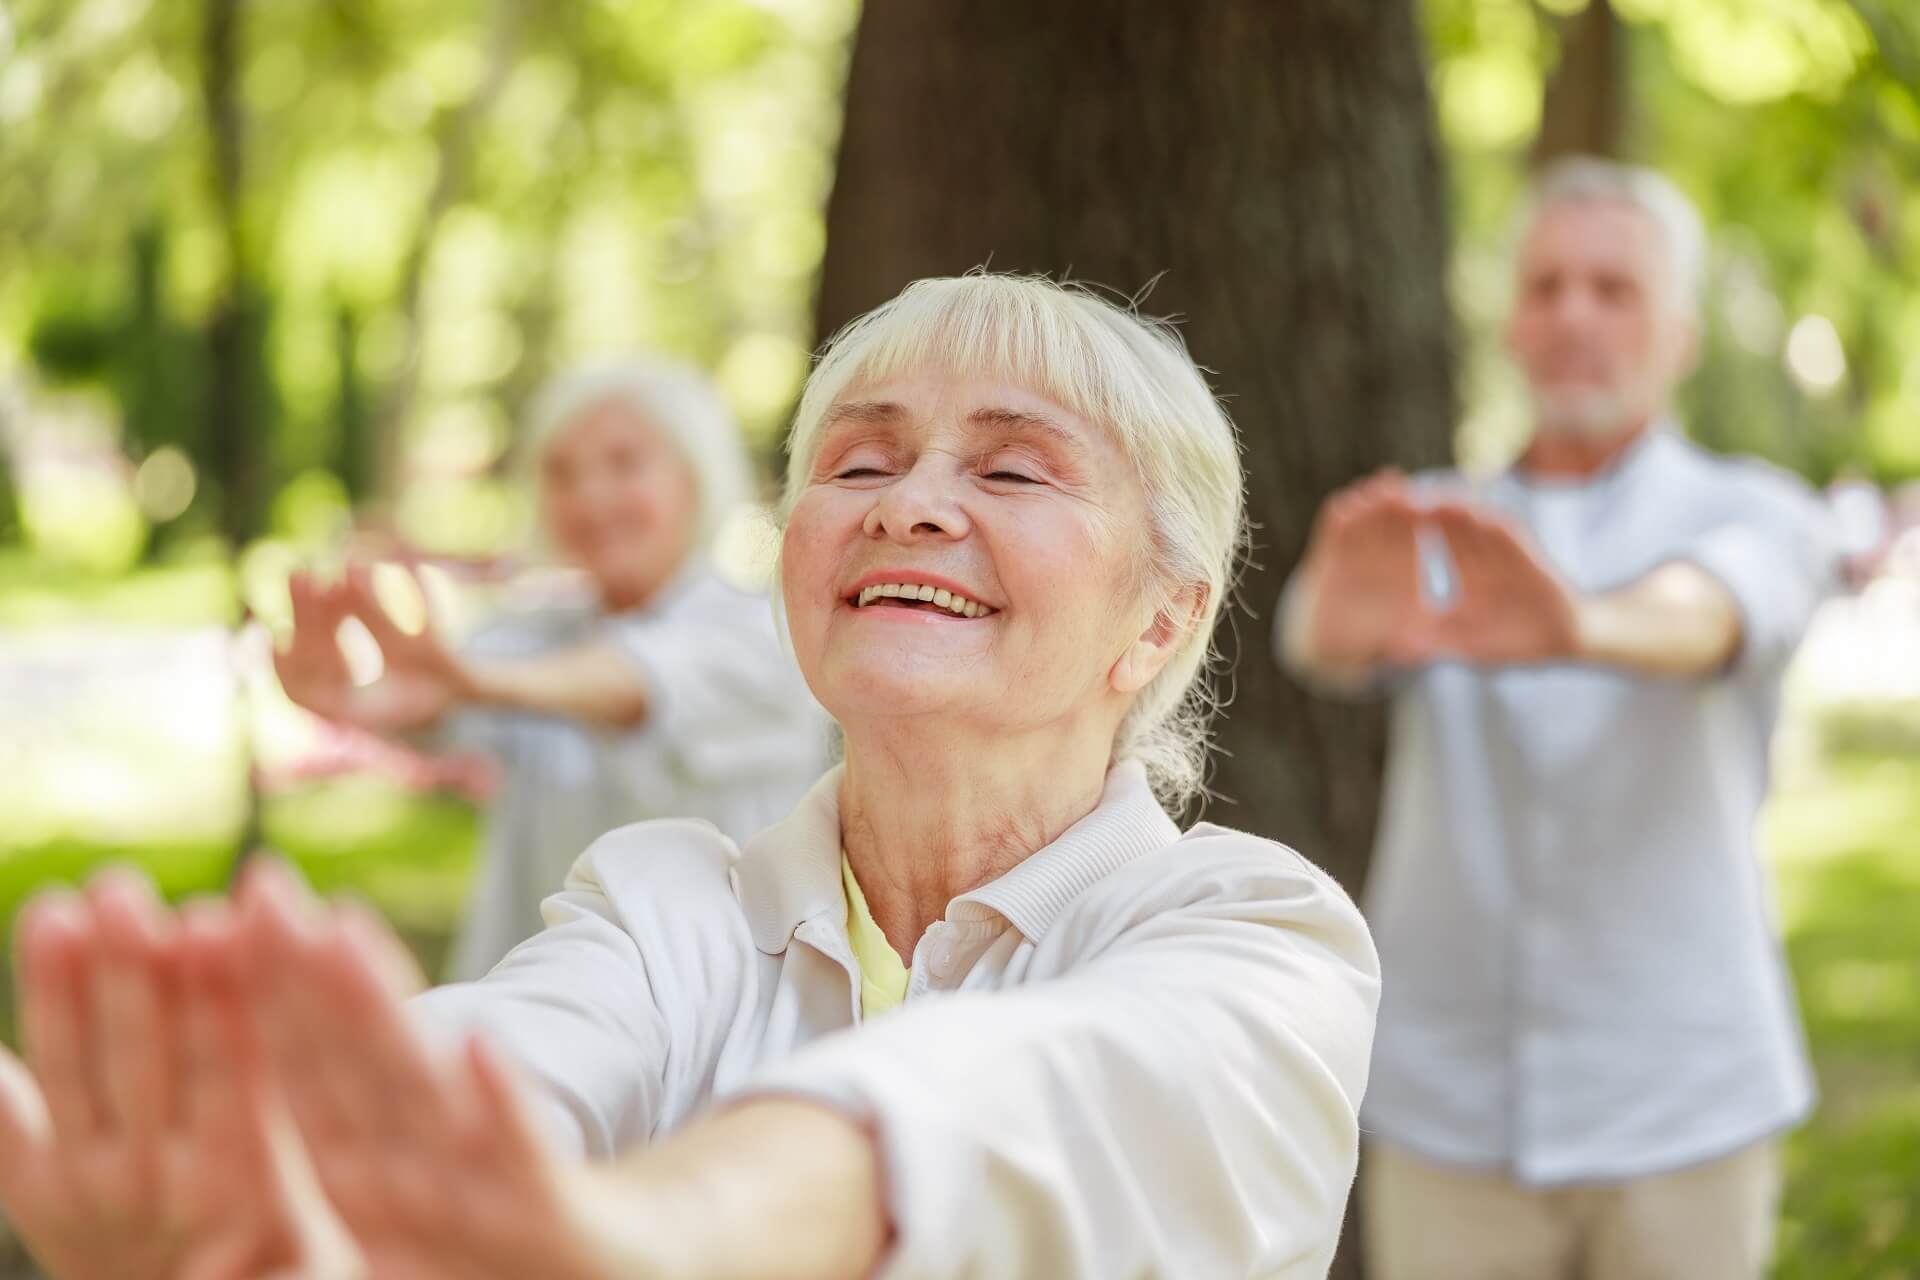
[1508, 605]
[1365, 606]
[1364, 574]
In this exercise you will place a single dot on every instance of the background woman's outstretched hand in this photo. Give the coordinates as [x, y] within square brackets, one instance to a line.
[421, 680]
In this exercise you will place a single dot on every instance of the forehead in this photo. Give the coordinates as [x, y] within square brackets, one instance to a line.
[933, 401]
[611, 420]
[1592, 235]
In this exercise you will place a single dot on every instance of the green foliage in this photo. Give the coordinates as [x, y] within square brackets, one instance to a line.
[438, 202]
[1795, 125]
[1847, 866]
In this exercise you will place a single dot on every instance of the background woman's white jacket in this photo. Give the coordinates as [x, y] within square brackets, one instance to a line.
[1139, 1053]
[732, 736]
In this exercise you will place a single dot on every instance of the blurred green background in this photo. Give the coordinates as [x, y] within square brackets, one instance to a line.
[273, 273]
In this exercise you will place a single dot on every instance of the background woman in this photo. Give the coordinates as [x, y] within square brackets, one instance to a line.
[659, 691]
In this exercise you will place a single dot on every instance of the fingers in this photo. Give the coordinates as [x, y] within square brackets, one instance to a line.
[222, 1076]
[365, 604]
[135, 1010]
[318, 611]
[280, 925]
[504, 1121]
[395, 1084]
[56, 943]
[26, 1130]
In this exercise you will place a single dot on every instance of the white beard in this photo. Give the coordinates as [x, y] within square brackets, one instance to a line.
[1593, 413]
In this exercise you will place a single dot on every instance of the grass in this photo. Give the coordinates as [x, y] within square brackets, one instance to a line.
[1846, 855]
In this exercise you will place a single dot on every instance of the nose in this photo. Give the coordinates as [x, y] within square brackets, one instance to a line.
[922, 504]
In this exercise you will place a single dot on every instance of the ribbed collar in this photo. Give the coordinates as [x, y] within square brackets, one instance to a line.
[790, 872]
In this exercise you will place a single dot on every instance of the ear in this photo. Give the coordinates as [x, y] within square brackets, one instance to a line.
[1170, 627]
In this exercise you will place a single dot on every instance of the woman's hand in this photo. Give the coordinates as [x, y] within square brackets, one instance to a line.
[426, 1153]
[422, 679]
[312, 670]
[136, 1143]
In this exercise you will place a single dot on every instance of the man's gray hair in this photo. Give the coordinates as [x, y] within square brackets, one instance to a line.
[1576, 179]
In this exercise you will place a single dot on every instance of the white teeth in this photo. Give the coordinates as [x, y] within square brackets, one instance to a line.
[939, 597]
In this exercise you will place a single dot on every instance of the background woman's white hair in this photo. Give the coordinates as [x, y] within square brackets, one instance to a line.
[1125, 373]
[1683, 236]
[677, 399]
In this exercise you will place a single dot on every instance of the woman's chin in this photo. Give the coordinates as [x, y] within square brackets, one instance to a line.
[883, 693]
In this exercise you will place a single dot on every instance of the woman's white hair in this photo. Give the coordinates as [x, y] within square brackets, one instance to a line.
[1683, 237]
[677, 399]
[1126, 373]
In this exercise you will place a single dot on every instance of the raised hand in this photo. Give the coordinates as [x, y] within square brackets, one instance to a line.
[1365, 569]
[1508, 605]
[134, 1143]
[422, 679]
[425, 1152]
[311, 668]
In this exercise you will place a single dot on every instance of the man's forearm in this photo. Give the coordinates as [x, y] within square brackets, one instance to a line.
[775, 1188]
[1677, 621]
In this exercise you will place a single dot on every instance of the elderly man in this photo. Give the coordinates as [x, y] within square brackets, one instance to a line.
[1588, 1040]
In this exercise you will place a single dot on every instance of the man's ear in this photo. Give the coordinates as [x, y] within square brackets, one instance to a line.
[1169, 628]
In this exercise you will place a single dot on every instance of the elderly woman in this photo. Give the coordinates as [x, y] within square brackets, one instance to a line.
[977, 1007]
[662, 693]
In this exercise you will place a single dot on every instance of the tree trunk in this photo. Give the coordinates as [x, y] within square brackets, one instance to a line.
[236, 422]
[1583, 108]
[1271, 169]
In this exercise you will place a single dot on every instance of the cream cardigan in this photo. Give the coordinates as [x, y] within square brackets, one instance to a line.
[1138, 1053]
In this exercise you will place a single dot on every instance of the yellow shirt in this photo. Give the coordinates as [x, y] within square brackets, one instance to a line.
[883, 977]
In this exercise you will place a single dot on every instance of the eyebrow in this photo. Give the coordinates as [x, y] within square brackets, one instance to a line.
[867, 411]
[1024, 420]
[996, 417]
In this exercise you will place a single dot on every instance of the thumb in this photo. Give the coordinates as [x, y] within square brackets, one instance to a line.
[26, 1128]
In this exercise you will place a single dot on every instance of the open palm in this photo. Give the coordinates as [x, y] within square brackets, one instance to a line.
[1364, 559]
[1508, 606]
[421, 679]
[133, 1141]
[426, 1152]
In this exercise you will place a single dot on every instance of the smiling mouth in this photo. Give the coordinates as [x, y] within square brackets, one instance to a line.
[913, 595]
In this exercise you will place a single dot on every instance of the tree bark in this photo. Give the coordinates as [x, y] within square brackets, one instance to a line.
[1583, 108]
[1271, 170]
[236, 425]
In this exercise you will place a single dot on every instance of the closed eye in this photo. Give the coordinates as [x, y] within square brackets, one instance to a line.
[1014, 476]
[858, 473]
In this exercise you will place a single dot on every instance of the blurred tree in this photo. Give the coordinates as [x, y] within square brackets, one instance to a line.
[1272, 170]
[468, 193]
[238, 423]
[1584, 106]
